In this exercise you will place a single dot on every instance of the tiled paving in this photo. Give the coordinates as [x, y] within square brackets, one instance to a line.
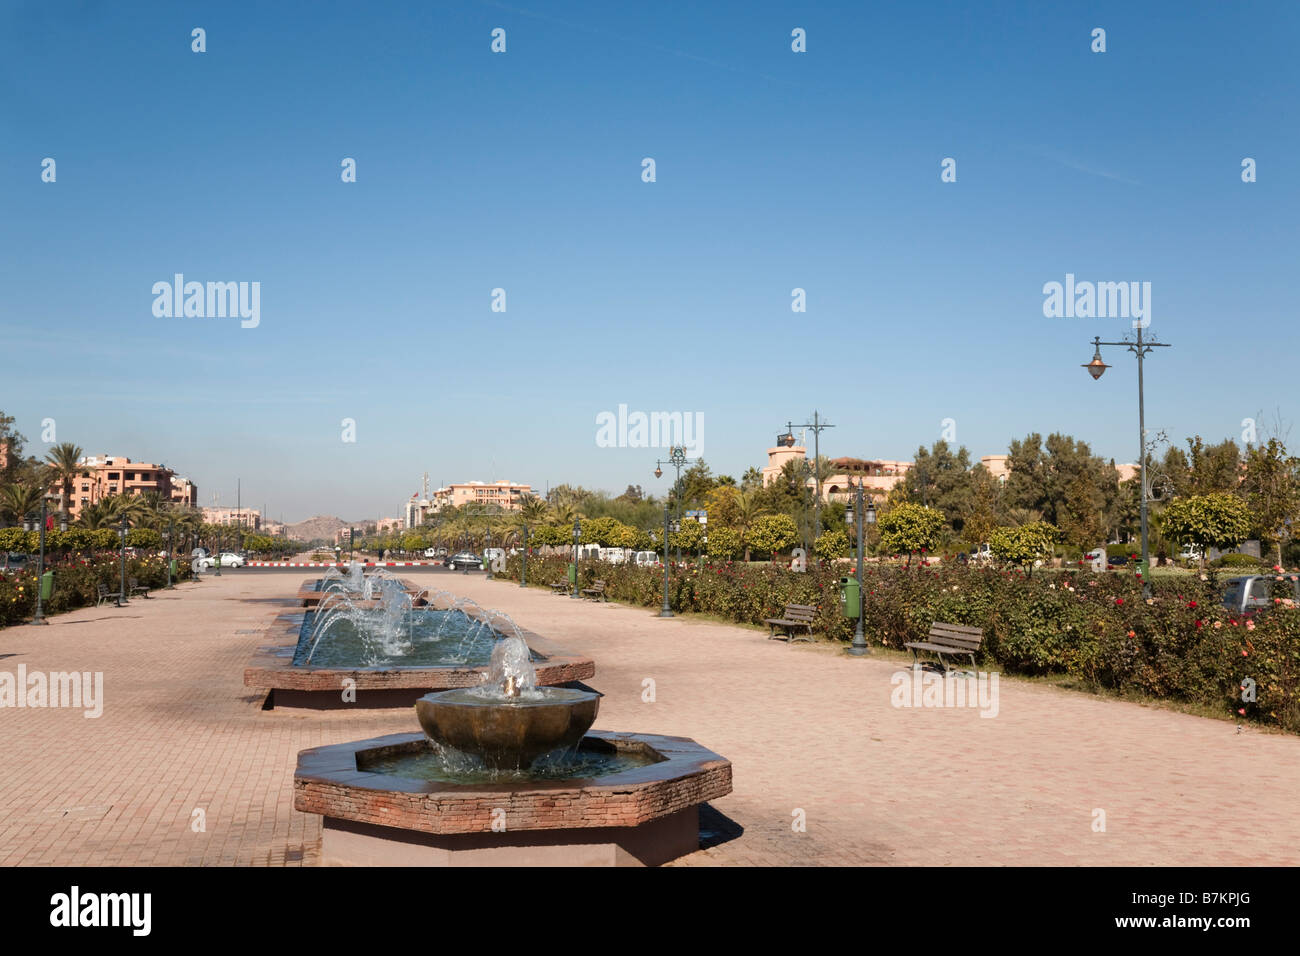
[806, 729]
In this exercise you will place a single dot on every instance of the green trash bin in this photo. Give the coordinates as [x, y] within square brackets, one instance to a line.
[850, 597]
[573, 574]
[47, 585]
[173, 567]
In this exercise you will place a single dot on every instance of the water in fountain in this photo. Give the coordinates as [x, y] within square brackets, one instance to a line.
[391, 630]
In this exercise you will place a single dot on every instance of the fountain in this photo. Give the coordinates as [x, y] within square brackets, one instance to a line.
[386, 643]
[509, 773]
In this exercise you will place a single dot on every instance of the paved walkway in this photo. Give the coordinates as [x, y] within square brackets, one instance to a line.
[806, 729]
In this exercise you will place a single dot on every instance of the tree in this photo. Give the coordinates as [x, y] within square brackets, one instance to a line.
[1080, 514]
[1217, 520]
[1042, 474]
[62, 468]
[690, 538]
[1024, 544]
[909, 528]
[11, 450]
[772, 534]
[749, 508]
[723, 543]
[941, 479]
[19, 500]
[1272, 488]
[833, 543]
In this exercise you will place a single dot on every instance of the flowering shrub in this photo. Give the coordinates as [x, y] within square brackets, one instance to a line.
[76, 582]
[1180, 645]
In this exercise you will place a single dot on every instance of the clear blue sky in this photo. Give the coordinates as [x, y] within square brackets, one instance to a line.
[775, 170]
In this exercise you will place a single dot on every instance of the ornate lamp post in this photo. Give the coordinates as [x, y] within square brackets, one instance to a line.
[523, 568]
[817, 425]
[677, 458]
[577, 535]
[171, 527]
[39, 616]
[122, 535]
[860, 519]
[667, 610]
[1096, 368]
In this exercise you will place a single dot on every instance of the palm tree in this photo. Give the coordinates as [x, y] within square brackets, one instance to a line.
[61, 464]
[19, 500]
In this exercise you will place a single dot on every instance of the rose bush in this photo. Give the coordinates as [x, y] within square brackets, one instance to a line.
[1181, 645]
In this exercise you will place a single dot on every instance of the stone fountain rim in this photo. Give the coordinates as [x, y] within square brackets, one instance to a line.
[688, 772]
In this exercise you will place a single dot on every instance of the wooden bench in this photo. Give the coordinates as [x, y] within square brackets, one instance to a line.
[596, 592]
[560, 587]
[794, 615]
[103, 594]
[135, 585]
[949, 640]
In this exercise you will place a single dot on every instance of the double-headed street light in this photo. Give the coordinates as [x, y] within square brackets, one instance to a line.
[1096, 368]
[856, 517]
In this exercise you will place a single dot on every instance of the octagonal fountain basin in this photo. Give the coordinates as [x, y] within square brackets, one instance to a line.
[507, 733]
[616, 799]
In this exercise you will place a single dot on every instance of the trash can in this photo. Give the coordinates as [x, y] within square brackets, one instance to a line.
[47, 585]
[573, 574]
[850, 597]
[173, 566]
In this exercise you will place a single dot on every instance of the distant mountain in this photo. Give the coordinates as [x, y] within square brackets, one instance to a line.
[323, 527]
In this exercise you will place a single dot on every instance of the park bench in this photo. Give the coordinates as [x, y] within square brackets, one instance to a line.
[559, 587]
[949, 640]
[596, 592]
[135, 585]
[794, 615]
[103, 594]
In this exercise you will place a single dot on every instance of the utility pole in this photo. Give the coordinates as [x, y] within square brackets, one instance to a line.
[816, 425]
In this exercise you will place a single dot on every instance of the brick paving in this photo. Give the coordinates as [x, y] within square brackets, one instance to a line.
[806, 728]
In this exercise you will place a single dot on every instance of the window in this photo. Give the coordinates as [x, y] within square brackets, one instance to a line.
[114, 476]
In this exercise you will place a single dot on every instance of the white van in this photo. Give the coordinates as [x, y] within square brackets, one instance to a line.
[614, 555]
[646, 558]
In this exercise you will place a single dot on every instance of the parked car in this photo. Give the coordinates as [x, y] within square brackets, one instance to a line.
[229, 559]
[980, 553]
[1254, 592]
[430, 552]
[614, 555]
[646, 558]
[1118, 561]
[15, 561]
[1190, 553]
[465, 559]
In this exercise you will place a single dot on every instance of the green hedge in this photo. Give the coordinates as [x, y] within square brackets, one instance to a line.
[1097, 627]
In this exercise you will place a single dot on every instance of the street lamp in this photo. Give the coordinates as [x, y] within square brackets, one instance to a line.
[523, 567]
[857, 518]
[577, 534]
[39, 616]
[1096, 368]
[788, 440]
[667, 610]
[676, 458]
[171, 527]
[122, 534]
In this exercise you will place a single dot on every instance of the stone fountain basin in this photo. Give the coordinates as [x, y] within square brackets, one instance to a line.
[508, 733]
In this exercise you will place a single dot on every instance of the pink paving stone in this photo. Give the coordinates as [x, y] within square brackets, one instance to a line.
[804, 728]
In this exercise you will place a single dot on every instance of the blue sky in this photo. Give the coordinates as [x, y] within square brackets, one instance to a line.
[522, 171]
